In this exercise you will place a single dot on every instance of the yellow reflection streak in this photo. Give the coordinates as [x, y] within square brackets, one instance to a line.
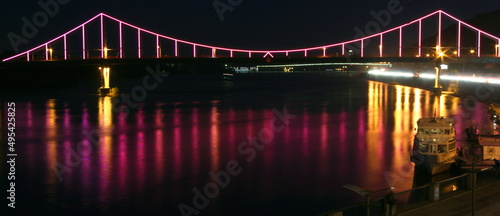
[51, 134]
[374, 132]
[417, 110]
[402, 136]
[105, 119]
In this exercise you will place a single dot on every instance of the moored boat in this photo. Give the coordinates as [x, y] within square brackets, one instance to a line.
[434, 147]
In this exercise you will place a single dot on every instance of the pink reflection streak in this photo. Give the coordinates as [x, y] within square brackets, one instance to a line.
[159, 163]
[232, 137]
[177, 143]
[195, 140]
[86, 173]
[140, 118]
[305, 132]
[249, 120]
[30, 147]
[29, 121]
[67, 125]
[68, 159]
[362, 146]
[342, 135]
[141, 163]
[323, 162]
[123, 163]
[342, 131]
[215, 139]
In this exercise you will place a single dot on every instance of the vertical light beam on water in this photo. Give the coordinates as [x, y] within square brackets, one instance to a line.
[105, 119]
[159, 153]
[214, 139]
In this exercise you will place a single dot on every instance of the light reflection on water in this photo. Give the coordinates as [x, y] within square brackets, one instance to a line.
[151, 160]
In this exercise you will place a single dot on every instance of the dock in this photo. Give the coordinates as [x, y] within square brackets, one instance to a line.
[487, 202]
[435, 198]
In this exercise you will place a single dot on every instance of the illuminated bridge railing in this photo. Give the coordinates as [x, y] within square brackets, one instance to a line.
[113, 41]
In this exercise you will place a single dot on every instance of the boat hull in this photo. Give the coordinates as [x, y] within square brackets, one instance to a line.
[432, 164]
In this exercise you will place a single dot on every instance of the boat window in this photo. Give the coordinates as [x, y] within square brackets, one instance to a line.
[442, 148]
[437, 131]
[423, 148]
[433, 149]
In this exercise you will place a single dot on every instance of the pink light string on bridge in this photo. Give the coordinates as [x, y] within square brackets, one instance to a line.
[381, 45]
[439, 33]
[420, 38]
[459, 39]
[362, 48]
[139, 43]
[401, 42]
[479, 44]
[46, 52]
[157, 46]
[84, 53]
[102, 36]
[65, 49]
[121, 39]
[250, 52]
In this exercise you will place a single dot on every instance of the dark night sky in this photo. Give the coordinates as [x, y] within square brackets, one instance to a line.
[253, 24]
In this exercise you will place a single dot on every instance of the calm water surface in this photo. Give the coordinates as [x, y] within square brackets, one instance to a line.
[150, 160]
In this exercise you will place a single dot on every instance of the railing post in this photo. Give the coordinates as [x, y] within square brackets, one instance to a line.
[434, 192]
[469, 181]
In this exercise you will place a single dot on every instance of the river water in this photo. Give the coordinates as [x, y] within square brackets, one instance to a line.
[79, 154]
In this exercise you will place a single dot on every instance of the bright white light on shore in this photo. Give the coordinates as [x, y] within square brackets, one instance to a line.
[390, 73]
[464, 78]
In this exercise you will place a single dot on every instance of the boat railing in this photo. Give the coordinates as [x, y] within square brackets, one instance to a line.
[418, 196]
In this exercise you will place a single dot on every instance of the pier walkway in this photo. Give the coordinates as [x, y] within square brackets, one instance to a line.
[487, 202]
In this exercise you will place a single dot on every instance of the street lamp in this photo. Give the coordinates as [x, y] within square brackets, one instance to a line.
[366, 194]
